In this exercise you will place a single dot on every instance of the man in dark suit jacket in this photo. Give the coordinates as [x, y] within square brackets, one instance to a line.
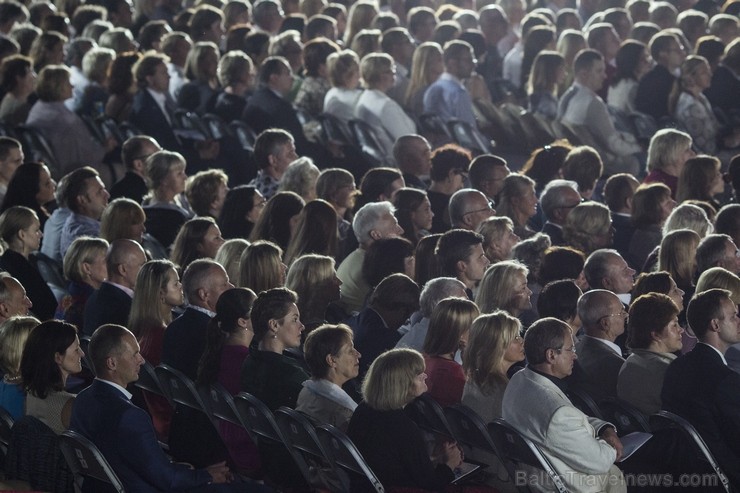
[104, 414]
[599, 359]
[134, 153]
[111, 303]
[558, 198]
[700, 387]
[618, 192]
[656, 85]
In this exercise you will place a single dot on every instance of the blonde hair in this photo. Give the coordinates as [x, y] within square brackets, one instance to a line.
[717, 277]
[495, 291]
[420, 68]
[450, 319]
[490, 336]
[13, 334]
[584, 222]
[83, 250]
[389, 382]
[359, 17]
[229, 256]
[118, 217]
[260, 266]
[148, 307]
[678, 255]
[372, 67]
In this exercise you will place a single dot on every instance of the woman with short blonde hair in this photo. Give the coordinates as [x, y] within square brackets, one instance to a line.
[504, 287]
[589, 227]
[13, 335]
[718, 277]
[261, 267]
[122, 218]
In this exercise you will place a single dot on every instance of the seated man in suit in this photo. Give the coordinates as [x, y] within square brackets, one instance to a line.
[581, 449]
[558, 198]
[111, 303]
[606, 269]
[134, 154]
[104, 414]
[599, 359]
[618, 192]
[700, 387]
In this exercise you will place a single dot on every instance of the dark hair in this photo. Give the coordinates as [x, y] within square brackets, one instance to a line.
[13, 67]
[702, 309]
[121, 73]
[315, 53]
[617, 189]
[270, 305]
[559, 299]
[447, 158]
[545, 163]
[23, 187]
[232, 305]
[585, 59]
[315, 232]
[652, 282]
[645, 204]
[406, 201]
[268, 143]
[648, 313]
[537, 40]
[150, 32]
[384, 257]
[479, 167]
[274, 223]
[185, 246]
[627, 59]
[233, 220]
[39, 370]
[272, 65]
[322, 341]
[545, 333]
[76, 185]
[454, 246]
[105, 341]
[375, 183]
[561, 262]
[427, 265]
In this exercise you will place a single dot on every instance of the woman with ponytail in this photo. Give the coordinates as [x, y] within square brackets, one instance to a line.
[228, 338]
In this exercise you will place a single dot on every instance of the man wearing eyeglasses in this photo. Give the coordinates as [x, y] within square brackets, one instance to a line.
[604, 318]
[582, 449]
[469, 208]
[558, 198]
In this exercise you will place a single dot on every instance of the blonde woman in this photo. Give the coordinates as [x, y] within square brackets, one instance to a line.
[261, 267]
[314, 279]
[85, 270]
[518, 201]
[504, 287]
[589, 227]
[13, 335]
[229, 255]
[678, 257]
[344, 75]
[427, 65]
[360, 16]
[499, 238]
[545, 80]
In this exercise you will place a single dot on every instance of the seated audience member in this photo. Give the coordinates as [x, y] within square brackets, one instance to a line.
[378, 185]
[667, 154]
[391, 443]
[333, 360]
[121, 86]
[315, 232]
[166, 207]
[376, 108]
[227, 346]
[13, 335]
[278, 219]
[580, 105]
[372, 222]
[413, 156]
[651, 206]
[588, 227]
[562, 263]
[414, 331]
[468, 208]
[632, 63]
[85, 270]
[599, 359]
[559, 299]
[198, 238]
[96, 68]
[124, 219]
[618, 192]
[654, 337]
[75, 146]
[11, 158]
[546, 164]
[388, 256]
[235, 74]
[414, 213]
[448, 333]
[86, 197]
[584, 166]
[724, 80]
[229, 254]
[558, 199]
[134, 153]
[606, 269]
[582, 449]
[51, 354]
[447, 96]
[543, 84]
[201, 88]
[13, 299]
[449, 166]
[655, 86]
[261, 267]
[701, 180]
[123, 432]
[274, 150]
[20, 229]
[499, 238]
[727, 222]
[700, 387]
[717, 251]
[504, 287]
[487, 173]
[268, 374]
[18, 83]
[344, 74]
[31, 185]
[389, 306]
[206, 192]
[460, 255]
[316, 284]
[717, 277]
[315, 85]
[111, 302]
[494, 345]
[300, 177]
[202, 283]
[242, 208]
[531, 253]
[518, 201]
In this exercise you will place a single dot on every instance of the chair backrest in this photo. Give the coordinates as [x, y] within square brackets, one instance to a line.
[468, 137]
[335, 130]
[222, 404]
[129, 130]
[258, 418]
[181, 389]
[666, 419]
[469, 428]
[85, 460]
[367, 141]
[244, 134]
[37, 148]
[6, 425]
[347, 457]
[50, 270]
[584, 402]
[217, 128]
[517, 449]
[86, 360]
[624, 416]
[429, 415]
[149, 381]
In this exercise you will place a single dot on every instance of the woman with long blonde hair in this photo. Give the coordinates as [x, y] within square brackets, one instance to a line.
[427, 65]
[678, 257]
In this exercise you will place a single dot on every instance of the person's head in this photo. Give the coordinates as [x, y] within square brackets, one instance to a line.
[344, 69]
[121, 78]
[658, 282]
[666, 50]
[123, 262]
[206, 24]
[559, 299]
[17, 75]
[460, 254]
[539, 38]
[198, 238]
[421, 22]
[115, 354]
[494, 344]
[274, 150]
[688, 216]
[426, 66]
[583, 165]
[589, 69]
[300, 177]
[176, 46]
[718, 277]
[275, 73]
[165, 172]
[13, 335]
[550, 348]
[562, 262]
[379, 184]
[438, 289]
[717, 250]
[588, 227]
[618, 192]
[11, 13]
[261, 266]
[394, 379]
[449, 324]
[330, 353]
[314, 279]
[632, 60]
[136, 150]
[84, 261]
[546, 163]
[700, 179]
[606, 269]
[413, 211]
[47, 49]
[52, 353]
[678, 255]
[487, 173]
[151, 33]
[602, 314]
[530, 252]
[712, 48]
[203, 282]
[96, 64]
[86, 193]
[459, 58]
[279, 219]
[157, 291]
[151, 72]
[603, 37]
[558, 199]
[450, 166]
[337, 186]
[321, 26]
[548, 72]
[242, 208]
[395, 298]
[122, 219]
[570, 42]
[725, 27]
[20, 229]
[712, 316]
[651, 205]
[468, 208]
[315, 54]
[275, 316]
[236, 71]
[504, 287]
[518, 199]
[653, 324]
[202, 62]
[386, 256]
[13, 298]
[375, 221]
[360, 17]
[499, 238]
[53, 84]
[397, 42]
[728, 221]
[378, 71]
[119, 39]
[206, 192]
[315, 231]
[268, 15]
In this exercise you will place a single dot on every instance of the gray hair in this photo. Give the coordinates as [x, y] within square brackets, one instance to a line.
[688, 216]
[665, 147]
[551, 199]
[366, 218]
[592, 307]
[459, 203]
[596, 267]
[435, 291]
[300, 177]
[197, 276]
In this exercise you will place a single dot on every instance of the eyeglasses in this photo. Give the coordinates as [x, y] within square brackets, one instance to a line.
[490, 208]
[144, 157]
[572, 206]
[622, 314]
[571, 349]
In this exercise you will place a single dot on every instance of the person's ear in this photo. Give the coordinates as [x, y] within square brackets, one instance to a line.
[462, 267]
[202, 294]
[375, 234]
[58, 358]
[330, 361]
[4, 310]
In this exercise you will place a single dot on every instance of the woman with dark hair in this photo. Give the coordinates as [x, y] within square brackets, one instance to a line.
[448, 331]
[633, 61]
[333, 360]
[388, 256]
[315, 85]
[278, 219]
[651, 206]
[450, 165]
[658, 282]
[315, 232]
[242, 208]
[377, 185]
[20, 229]
[562, 262]
[414, 213]
[228, 337]
[546, 164]
[559, 299]
[701, 179]
[198, 238]
[122, 86]
[52, 353]
[47, 49]
[268, 374]
[545, 79]
[17, 83]
[31, 186]
[426, 265]
[315, 282]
